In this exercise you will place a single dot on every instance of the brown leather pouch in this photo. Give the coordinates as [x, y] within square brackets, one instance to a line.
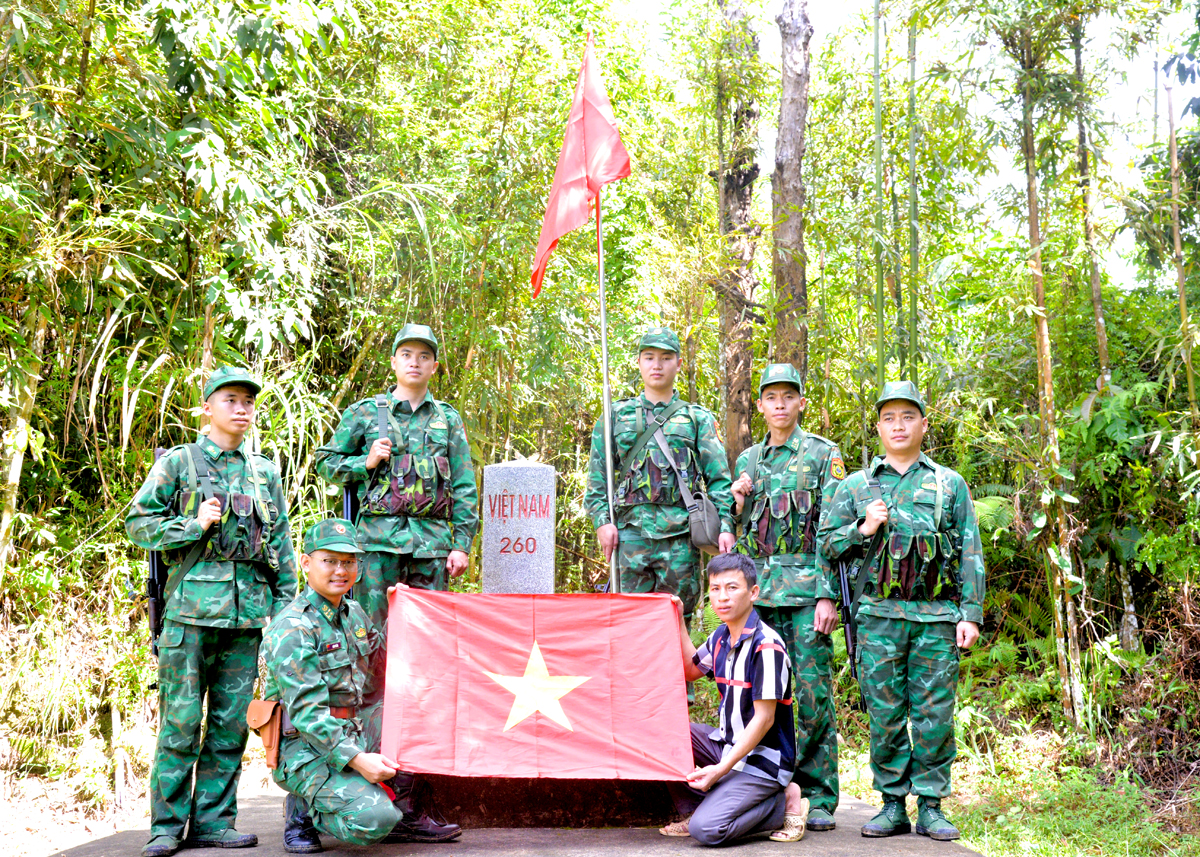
[265, 717]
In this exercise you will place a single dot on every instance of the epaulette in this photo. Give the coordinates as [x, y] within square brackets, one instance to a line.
[822, 439]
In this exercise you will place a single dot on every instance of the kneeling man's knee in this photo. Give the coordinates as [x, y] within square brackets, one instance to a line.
[367, 823]
[708, 831]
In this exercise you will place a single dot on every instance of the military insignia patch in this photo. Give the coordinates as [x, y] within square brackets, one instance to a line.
[360, 632]
[339, 529]
[838, 469]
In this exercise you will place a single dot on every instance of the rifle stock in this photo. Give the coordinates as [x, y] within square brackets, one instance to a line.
[847, 611]
[156, 582]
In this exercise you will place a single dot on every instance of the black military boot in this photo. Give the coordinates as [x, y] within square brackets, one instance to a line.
[299, 835]
[414, 800]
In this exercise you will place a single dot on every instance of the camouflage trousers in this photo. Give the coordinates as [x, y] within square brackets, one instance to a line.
[908, 672]
[660, 565]
[378, 570]
[811, 654]
[194, 661]
[342, 803]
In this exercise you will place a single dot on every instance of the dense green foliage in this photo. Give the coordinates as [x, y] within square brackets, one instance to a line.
[285, 183]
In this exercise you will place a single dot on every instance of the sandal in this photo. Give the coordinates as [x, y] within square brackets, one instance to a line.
[793, 825]
[676, 828]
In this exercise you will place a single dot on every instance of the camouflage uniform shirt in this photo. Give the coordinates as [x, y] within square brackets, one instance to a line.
[433, 428]
[318, 656]
[793, 485]
[217, 593]
[911, 498]
[648, 499]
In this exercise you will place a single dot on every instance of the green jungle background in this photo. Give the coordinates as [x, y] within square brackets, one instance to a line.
[283, 184]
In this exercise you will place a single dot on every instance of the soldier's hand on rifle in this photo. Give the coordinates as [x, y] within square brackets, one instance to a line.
[374, 767]
[456, 563]
[966, 633]
[381, 450]
[209, 513]
[606, 534]
[876, 516]
[742, 489]
[825, 616]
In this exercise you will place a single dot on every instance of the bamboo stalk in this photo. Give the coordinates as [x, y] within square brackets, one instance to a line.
[1185, 327]
[914, 239]
[880, 359]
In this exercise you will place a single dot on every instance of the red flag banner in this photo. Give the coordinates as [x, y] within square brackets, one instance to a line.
[575, 686]
[592, 156]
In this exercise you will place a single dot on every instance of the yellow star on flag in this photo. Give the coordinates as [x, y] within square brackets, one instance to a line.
[537, 690]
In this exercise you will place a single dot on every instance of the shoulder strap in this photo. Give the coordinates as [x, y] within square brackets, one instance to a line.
[264, 509]
[864, 571]
[644, 438]
[197, 469]
[941, 492]
[689, 499]
[381, 415]
[755, 452]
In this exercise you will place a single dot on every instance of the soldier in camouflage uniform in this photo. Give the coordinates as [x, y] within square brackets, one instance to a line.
[419, 507]
[324, 662]
[215, 612]
[783, 485]
[922, 601]
[651, 535]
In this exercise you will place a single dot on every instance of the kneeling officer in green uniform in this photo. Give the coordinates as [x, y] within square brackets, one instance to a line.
[783, 485]
[218, 514]
[921, 588]
[325, 664]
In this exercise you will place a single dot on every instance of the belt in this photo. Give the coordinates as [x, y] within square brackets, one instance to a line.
[342, 713]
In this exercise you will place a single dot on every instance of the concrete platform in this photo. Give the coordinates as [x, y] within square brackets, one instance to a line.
[264, 816]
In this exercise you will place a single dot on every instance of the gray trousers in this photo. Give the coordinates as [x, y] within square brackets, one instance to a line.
[740, 804]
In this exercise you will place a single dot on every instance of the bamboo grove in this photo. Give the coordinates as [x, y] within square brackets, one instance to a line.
[284, 184]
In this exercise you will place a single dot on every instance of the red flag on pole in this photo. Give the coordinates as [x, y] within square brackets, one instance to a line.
[574, 686]
[592, 156]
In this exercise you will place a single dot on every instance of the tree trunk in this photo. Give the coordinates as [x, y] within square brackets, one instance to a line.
[788, 259]
[1185, 326]
[1129, 619]
[1089, 226]
[914, 241]
[1046, 412]
[735, 175]
[17, 437]
[880, 355]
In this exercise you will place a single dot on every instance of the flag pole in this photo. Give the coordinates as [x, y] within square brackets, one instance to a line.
[614, 579]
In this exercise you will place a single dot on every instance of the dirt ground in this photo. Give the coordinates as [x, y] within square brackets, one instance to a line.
[40, 817]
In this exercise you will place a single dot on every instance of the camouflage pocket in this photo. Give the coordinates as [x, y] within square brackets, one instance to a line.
[927, 547]
[802, 501]
[899, 545]
[242, 531]
[781, 505]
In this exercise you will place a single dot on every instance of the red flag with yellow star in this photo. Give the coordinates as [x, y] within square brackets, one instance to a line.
[575, 686]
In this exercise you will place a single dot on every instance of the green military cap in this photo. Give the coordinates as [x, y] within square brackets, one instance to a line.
[227, 375]
[780, 373]
[905, 390]
[416, 333]
[332, 534]
[659, 337]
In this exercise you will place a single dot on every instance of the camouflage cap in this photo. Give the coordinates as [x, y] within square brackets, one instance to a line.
[332, 534]
[415, 333]
[659, 337]
[228, 375]
[780, 373]
[905, 390]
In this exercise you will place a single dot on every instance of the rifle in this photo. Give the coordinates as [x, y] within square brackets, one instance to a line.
[156, 583]
[859, 569]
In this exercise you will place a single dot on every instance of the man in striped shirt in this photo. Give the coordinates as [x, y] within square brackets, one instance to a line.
[742, 784]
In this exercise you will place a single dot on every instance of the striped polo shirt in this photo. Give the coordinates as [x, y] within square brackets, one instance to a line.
[755, 666]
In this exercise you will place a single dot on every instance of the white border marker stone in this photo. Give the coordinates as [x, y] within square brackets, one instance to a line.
[518, 527]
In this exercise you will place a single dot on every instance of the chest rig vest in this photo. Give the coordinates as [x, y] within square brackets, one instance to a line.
[784, 521]
[919, 560]
[413, 484]
[244, 531]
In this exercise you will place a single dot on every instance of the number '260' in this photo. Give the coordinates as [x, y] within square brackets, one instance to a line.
[508, 545]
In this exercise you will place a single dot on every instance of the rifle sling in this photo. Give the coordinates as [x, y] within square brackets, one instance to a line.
[644, 438]
[864, 571]
[689, 499]
[180, 571]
